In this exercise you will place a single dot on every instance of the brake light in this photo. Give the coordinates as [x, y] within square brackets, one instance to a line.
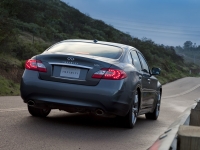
[36, 65]
[111, 74]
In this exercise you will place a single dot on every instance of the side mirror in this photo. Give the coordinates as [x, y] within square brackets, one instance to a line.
[155, 71]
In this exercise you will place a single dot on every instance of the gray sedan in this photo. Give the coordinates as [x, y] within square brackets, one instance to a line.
[102, 78]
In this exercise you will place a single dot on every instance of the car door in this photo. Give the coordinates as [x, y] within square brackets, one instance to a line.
[136, 63]
[148, 84]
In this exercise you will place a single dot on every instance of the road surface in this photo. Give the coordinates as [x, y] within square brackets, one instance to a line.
[64, 131]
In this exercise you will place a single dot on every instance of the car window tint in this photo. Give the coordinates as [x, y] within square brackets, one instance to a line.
[87, 49]
[144, 63]
[136, 61]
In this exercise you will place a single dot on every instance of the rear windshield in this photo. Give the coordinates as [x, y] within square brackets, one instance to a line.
[88, 49]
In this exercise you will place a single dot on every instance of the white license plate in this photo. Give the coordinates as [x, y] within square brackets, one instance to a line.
[70, 72]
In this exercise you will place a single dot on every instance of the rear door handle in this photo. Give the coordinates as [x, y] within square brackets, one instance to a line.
[140, 77]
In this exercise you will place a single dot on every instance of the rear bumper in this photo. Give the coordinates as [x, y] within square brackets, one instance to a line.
[110, 96]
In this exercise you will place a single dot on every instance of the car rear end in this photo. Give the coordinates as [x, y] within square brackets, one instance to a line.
[77, 77]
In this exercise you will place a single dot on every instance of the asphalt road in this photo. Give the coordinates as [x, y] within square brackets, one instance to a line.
[64, 131]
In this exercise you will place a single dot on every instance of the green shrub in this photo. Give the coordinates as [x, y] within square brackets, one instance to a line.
[8, 87]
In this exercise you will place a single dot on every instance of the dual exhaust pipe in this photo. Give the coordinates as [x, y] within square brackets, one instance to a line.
[31, 103]
[98, 112]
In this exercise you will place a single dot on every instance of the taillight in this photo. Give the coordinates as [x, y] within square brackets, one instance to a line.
[36, 65]
[111, 74]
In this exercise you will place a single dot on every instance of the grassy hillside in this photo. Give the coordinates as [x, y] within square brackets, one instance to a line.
[28, 27]
[8, 87]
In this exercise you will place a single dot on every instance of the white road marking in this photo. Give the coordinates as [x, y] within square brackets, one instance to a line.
[25, 108]
[13, 109]
[183, 93]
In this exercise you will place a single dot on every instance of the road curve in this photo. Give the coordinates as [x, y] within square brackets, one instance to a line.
[64, 131]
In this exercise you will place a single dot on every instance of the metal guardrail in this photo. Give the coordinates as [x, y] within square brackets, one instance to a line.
[168, 140]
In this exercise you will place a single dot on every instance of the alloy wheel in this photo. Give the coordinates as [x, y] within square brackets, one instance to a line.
[135, 110]
[158, 105]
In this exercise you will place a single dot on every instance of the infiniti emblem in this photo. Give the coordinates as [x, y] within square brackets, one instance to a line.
[70, 58]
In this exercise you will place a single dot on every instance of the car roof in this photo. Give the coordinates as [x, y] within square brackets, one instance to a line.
[123, 46]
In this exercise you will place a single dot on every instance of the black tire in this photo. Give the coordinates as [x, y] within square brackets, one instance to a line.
[38, 112]
[131, 118]
[154, 115]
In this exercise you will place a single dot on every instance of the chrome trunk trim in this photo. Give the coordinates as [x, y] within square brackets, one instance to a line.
[71, 65]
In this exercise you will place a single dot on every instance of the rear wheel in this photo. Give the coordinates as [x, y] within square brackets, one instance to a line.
[131, 117]
[38, 112]
[154, 115]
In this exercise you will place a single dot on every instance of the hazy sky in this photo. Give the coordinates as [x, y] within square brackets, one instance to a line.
[168, 22]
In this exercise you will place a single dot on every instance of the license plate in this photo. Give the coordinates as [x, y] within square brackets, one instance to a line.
[70, 72]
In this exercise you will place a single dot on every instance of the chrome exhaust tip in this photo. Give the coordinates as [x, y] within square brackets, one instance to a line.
[99, 112]
[31, 103]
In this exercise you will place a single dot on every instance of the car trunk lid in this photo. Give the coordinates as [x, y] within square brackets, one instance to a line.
[73, 69]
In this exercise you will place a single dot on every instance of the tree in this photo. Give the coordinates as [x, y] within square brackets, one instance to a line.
[188, 45]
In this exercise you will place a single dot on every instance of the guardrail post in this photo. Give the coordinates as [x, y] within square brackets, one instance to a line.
[195, 116]
[188, 138]
[180, 136]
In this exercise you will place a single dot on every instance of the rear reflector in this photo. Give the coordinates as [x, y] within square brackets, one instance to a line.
[111, 74]
[36, 65]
